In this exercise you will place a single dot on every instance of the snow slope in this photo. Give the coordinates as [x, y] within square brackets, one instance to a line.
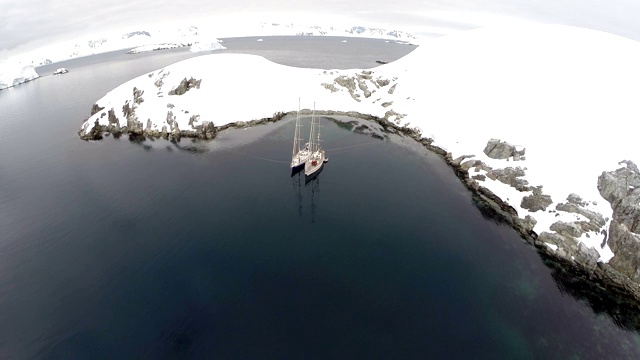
[567, 95]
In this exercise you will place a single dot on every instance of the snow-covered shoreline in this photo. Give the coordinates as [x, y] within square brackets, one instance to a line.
[186, 35]
[198, 38]
[565, 96]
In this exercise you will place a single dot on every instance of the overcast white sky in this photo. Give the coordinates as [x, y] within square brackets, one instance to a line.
[29, 24]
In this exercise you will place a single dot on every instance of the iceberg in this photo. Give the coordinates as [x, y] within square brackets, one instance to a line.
[207, 46]
[16, 74]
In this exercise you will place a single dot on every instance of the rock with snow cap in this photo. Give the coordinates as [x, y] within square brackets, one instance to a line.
[497, 149]
[621, 188]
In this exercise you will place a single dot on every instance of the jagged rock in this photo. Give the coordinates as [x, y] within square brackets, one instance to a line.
[566, 234]
[566, 229]
[497, 149]
[137, 96]
[112, 117]
[365, 74]
[576, 199]
[625, 245]
[571, 249]
[330, 87]
[587, 256]
[392, 89]
[595, 220]
[95, 133]
[536, 201]
[164, 133]
[363, 87]
[133, 125]
[510, 176]
[389, 114]
[96, 109]
[350, 84]
[185, 85]
[127, 110]
[528, 223]
[383, 82]
[346, 82]
[469, 164]
[621, 188]
[206, 130]
[478, 165]
[173, 130]
[457, 161]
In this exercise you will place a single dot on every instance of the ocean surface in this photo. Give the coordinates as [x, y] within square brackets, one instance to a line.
[153, 249]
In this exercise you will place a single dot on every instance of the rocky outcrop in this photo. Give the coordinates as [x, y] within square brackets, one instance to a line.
[537, 201]
[593, 222]
[134, 126]
[96, 109]
[361, 85]
[184, 86]
[512, 176]
[621, 188]
[615, 283]
[497, 149]
[563, 242]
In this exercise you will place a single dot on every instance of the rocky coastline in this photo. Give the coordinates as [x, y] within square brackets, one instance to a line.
[620, 277]
[618, 282]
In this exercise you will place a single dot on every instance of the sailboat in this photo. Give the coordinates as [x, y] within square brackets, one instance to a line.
[316, 158]
[299, 156]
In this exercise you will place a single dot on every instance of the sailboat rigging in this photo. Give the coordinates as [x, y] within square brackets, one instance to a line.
[316, 157]
[299, 156]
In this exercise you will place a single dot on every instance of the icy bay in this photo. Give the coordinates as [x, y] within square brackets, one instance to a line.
[153, 248]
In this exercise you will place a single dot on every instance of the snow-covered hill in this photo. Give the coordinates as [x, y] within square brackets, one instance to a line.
[565, 95]
[138, 41]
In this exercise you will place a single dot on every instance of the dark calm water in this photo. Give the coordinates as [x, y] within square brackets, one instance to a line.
[117, 249]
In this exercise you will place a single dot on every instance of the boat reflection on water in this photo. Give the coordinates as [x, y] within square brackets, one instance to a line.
[315, 162]
[306, 190]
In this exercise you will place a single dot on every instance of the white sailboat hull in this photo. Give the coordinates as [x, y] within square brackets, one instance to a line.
[314, 164]
[299, 159]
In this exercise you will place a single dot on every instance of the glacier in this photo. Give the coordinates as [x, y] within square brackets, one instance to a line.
[211, 45]
[15, 74]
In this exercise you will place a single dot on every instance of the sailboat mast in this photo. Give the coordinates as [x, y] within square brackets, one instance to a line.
[318, 134]
[312, 144]
[296, 134]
